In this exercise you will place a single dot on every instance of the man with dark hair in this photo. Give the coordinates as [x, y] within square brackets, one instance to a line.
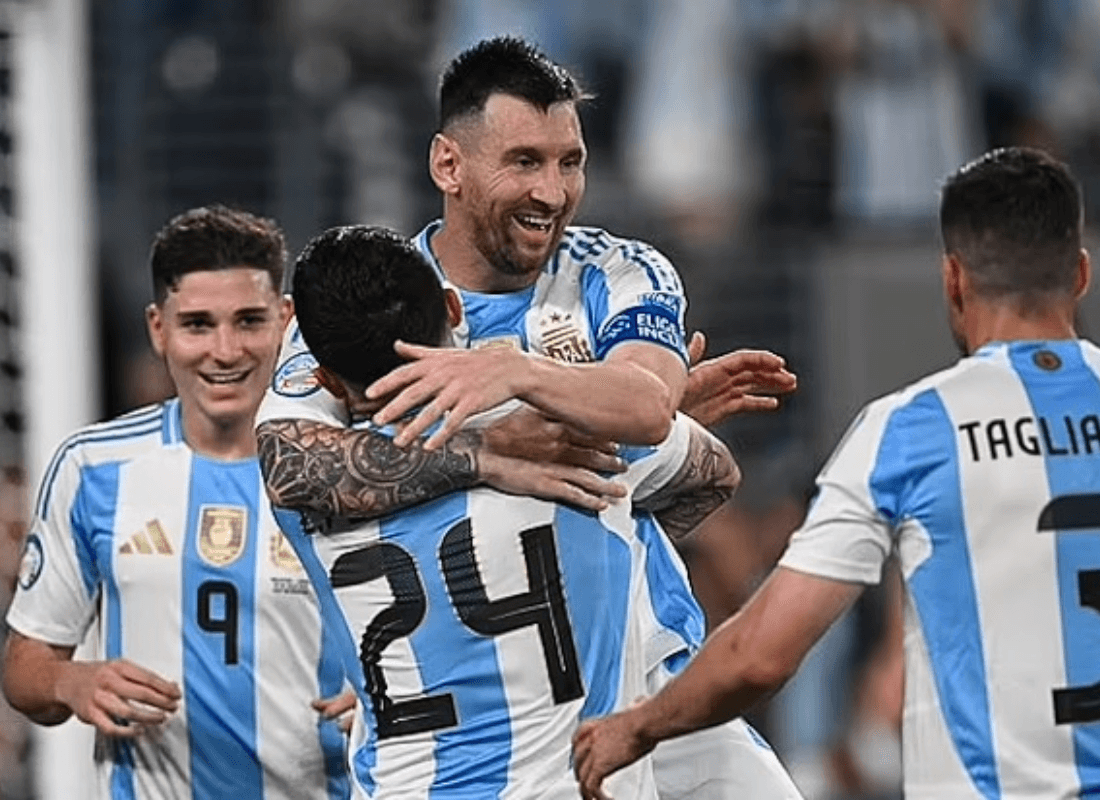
[585, 327]
[518, 617]
[984, 481]
[154, 527]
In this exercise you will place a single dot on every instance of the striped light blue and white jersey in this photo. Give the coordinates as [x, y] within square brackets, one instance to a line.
[984, 479]
[485, 627]
[179, 561]
[597, 291]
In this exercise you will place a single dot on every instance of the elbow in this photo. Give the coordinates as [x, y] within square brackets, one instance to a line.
[654, 424]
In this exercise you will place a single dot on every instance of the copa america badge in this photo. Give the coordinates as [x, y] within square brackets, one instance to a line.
[30, 567]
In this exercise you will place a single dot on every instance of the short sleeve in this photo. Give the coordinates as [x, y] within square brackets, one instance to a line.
[848, 531]
[58, 586]
[641, 300]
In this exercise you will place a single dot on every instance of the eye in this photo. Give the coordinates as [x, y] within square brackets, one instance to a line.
[195, 324]
[526, 162]
[253, 320]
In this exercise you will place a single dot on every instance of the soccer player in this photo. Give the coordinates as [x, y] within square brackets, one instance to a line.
[486, 624]
[155, 528]
[584, 326]
[984, 480]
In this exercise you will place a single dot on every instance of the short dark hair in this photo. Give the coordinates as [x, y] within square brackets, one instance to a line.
[1013, 216]
[215, 237]
[503, 65]
[357, 289]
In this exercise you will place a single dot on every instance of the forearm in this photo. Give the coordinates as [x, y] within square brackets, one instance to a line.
[617, 399]
[708, 478]
[358, 473]
[34, 673]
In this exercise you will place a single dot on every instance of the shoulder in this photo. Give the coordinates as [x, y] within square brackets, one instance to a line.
[150, 428]
[596, 247]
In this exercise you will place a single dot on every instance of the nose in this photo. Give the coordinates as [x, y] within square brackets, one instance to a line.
[551, 188]
[227, 344]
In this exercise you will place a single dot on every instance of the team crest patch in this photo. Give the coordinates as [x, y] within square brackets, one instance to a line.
[222, 534]
[295, 378]
[30, 566]
[562, 339]
[283, 555]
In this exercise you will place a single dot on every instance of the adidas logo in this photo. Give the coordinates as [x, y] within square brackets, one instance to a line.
[148, 541]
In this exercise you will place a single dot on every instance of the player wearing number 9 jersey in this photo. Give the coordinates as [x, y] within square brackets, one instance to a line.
[485, 625]
[154, 528]
[984, 480]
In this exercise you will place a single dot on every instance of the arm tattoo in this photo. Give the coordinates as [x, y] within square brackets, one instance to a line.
[309, 466]
[705, 480]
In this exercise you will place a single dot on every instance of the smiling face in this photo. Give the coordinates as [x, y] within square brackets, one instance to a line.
[518, 180]
[219, 333]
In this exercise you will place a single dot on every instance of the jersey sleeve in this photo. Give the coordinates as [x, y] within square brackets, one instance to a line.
[294, 392]
[58, 587]
[650, 469]
[848, 531]
[642, 300]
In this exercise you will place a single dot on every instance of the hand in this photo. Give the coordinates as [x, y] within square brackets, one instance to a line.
[557, 482]
[734, 383]
[529, 435]
[604, 746]
[118, 697]
[338, 708]
[448, 382]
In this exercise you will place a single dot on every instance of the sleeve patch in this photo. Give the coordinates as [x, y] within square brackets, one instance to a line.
[649, 323]
[32, 562]
[295, 378]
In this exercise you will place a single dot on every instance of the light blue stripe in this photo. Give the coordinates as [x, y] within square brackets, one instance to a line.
[596, 567]
[338, 653]
[477, 753]
[916, 476]
[118, 430]
[674, 605]
[92, 521]
[221, 697]
[1072, 392]
[595, 293]
[492, 316]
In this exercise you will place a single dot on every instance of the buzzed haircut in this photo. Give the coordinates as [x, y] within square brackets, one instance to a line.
[215, 237]
[1014, 218]
[357, 289]
[503, 65]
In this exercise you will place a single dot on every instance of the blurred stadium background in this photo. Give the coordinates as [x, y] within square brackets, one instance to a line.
[785, 153]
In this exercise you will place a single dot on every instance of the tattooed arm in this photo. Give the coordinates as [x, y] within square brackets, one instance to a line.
[310, 466]
[707, 478]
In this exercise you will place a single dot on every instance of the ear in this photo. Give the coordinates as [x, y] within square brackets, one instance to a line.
[955, 282]
[1084, 273]
[444, 163]
[454, 306]
[331, 382]
[154, 322]
[286, 311]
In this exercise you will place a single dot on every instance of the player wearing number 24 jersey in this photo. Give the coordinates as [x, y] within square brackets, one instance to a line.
[483, 625]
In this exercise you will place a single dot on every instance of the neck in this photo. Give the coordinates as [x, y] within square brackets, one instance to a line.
[1006, 321]
[468, 269]
[228, 442]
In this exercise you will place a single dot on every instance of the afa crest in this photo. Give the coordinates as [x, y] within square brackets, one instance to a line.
[283, 556]
[562, 339]
[222, 534]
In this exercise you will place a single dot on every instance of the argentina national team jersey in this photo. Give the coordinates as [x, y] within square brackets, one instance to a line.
[486, 626]
[191, 577]
[985, 480]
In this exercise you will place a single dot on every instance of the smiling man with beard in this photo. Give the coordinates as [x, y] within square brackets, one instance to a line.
[585, 327]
